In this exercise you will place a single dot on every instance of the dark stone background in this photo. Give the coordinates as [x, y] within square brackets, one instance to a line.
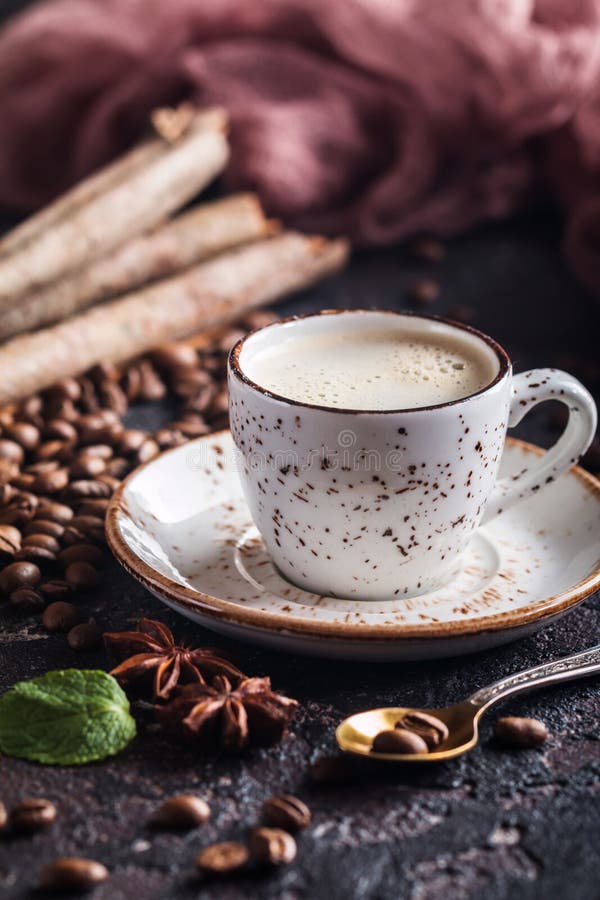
[493, 824]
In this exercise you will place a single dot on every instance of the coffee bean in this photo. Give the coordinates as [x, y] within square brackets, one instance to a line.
[25, 434]
[148, 450]
[10, 540]
[399, 740]
[95, 508]
[35, 555]
[433, 731]
[21, 480]
[61, 409]
[103, 372]
[42, 540]
[192, 429]
[81, 576]
[91, 527]
[333, 770]
[87, 488]
[20, 509]
[3, 816]
[32, 815]
[221, 859]
[60, 616]
[424, 292]
[131, 383]
[44, 526]
[461, 312]
[30, 410]
[182, 811]
[189, 383]
[87, 466]
[60, 430]
[55, 512]
[113, 483]
[198, 400]
[56, 588]
[166, 438]
[19, 574]
[85, 636]
[103, 451]
[112, 396]
[64, 389]
[520, 732]
[72, 873]
[27, 599]
[118, 467]
[50, 482]
[131, 440]
[12, 451]
[82, 552]
[151, 385]
[287, 811]
[272, 846]
[174, 356]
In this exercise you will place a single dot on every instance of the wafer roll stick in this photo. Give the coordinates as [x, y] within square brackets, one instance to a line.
[198, 234]
[209, 294]
[138, 201]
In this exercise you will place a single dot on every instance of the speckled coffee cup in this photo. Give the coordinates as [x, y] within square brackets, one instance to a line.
[377, 505]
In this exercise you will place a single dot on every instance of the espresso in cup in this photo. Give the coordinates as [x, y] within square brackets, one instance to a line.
[373, 369]
[370, 441]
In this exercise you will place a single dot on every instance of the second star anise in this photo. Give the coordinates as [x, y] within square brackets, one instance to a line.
[150, 656]
[218, 715]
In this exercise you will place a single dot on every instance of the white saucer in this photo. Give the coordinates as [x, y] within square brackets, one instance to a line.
[181, 526]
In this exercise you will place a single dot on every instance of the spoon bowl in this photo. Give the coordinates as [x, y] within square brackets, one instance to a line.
[355, 734]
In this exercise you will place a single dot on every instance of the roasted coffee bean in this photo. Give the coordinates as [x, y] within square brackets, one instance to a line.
[118, 467]
[55, 512]
[27, 599]
[95, 508]
[427, 249]
[60, 616]
[104, 451]
[220, 404]
[35, 555]
[90, 526]
[19, 574]
[461, 313]
[87, 466]
[20, 509]
[72, 873]
[44, 526]
[59, 429]
[82, 552]
[187, 383]
[174, 355]
[148, 450]
[3, 816]
[42, 540]
[32, 815]
[151, 385]
[333, 770]
[221, 859]
[61, 409]
[7, 493]
[520, 732]
[30, 409]
[272, 846]
[197, 400]
[433, 731]
[12, 451]
[166, 438]
[399, 740]
[424, 292]
[81, 576]
[85, 636]
[50, 482]
[88, 401]
[64, 389]
[193, 428]
[55, 588]
[25, 434]
[182, 811]
[10, 540]
[42, 466]
[131, 441]
[113, 397]
[95, 428]
[103, 372]
[23, 481]
[113, 483]
[131, 383]
[87, 488]
[287, 812]
[54, 449]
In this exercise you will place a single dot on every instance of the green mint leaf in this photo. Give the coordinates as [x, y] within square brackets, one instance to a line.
[65, 718]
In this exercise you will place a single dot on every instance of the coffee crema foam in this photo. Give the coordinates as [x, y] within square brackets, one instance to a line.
[372, 369]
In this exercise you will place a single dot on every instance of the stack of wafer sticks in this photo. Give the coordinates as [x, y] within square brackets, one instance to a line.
[111, 269]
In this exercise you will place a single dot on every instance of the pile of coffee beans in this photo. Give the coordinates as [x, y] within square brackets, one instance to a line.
[64, 452]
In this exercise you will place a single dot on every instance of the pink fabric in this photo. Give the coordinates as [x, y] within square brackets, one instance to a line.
[376, 118]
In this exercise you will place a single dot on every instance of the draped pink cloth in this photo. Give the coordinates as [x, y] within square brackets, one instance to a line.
[375, 118]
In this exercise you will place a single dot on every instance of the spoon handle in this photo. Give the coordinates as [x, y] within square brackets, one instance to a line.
[578, 665]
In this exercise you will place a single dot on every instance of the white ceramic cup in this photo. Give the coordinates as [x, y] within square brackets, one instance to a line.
[378, 505]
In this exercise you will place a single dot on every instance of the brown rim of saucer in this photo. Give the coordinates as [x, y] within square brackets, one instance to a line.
[501, 354]
[224, 610]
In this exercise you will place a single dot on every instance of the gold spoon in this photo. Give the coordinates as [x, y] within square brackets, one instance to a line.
[355, 734]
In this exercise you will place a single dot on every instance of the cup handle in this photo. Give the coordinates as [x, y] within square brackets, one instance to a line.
[529, 389]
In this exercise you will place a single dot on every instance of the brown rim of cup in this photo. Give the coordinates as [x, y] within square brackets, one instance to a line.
[501, 354]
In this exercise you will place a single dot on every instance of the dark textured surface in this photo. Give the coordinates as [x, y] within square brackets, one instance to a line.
[492, 824]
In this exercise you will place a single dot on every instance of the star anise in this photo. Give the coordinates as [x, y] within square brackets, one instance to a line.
[218, 715]
[150, 657]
